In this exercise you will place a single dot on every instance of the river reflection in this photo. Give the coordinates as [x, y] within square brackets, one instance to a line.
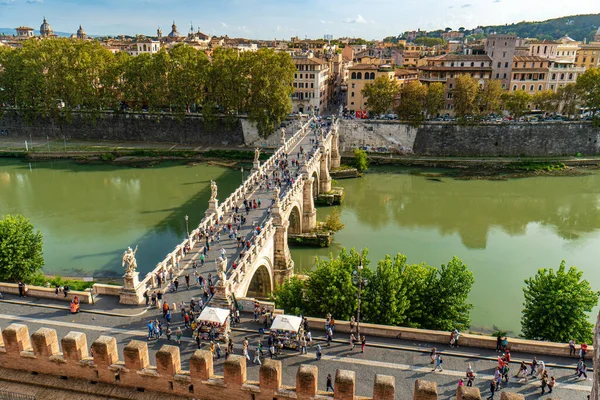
[503, 230]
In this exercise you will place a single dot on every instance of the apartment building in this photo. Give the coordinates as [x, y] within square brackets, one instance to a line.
[561, 73]
[310, 84]
[359, 76]
[501, 50]
[529, 73]
[588, 55]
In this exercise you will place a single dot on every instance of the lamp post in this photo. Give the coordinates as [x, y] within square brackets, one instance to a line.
[187, 229]
[242, 169]
[358, 280]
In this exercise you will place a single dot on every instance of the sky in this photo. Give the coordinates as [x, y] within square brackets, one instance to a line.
[282, 19]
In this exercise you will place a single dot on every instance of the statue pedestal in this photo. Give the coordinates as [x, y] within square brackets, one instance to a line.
[132, 291]
[256, 165]
[222, 297]
[213, 208]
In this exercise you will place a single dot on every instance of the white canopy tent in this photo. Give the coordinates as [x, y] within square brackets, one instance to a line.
[211, 314]
[286, 323]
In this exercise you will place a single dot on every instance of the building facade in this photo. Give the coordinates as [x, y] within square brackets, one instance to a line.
[562, 73]
[530, 74]
[588, 55]
[310, 84]
[359, 76]
[501, 50]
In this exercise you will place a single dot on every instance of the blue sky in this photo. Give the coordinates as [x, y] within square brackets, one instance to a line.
[267, 19]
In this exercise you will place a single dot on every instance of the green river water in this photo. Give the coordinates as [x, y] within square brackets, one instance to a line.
[503, 230]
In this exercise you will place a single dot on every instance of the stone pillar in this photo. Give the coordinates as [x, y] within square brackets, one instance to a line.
[222, 296]
[74, 347]
[344, 385]
[384, 388]
[324, 178]
[309, 216]
[270, 377]
[425, 390]
[201, 365]
[234, 370]
[168, 361]
[467, 393]
[336, 158]
[307, 381]
[132, 291]
[45, 342]
[283, 265]
[16, 338]
[511, 396]
[213, 208]
[136, 355]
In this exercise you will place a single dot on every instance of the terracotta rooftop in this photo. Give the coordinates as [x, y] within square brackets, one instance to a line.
[529, 58]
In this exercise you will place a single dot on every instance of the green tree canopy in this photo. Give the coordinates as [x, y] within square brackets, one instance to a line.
[589, 84]
[465, 94]
[516, 103]
[20, 249]
[412, 102]
[435, 99]
[556, 303]
[490, 98]
[381, 94]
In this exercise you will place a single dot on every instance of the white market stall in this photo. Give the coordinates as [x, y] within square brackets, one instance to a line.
[215, 320]
[288, 329]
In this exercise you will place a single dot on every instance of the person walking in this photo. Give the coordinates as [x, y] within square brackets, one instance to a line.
[363, 343]
[492, 389]
[438, 362]
[169, 332]
[257, 357]
[544, 383]
[582, 370]
[329, 384]
[319, 352]
[352, 341]
[572, 350]
[551, 384]
[178, 335]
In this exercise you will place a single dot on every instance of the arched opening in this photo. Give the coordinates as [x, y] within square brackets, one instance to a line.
[260, 285]
[315, 184]
[295, 222]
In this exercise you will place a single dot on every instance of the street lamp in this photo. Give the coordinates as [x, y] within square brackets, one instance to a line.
[358, 280]
[242, 169]
[187, 229]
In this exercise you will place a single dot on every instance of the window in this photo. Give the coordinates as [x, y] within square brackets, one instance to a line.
[552, 87]
[562, 77]
[523, 87]
[531, 88]
[372, 75]
[497, 76]
[359, 75]
[540, 88]
[570, 77]
[352, 94]
[542, 76]
[503, 86]
[352, 103]
[553, 77]
[353, 76]
[312, 76]
[499, 64]
[353, 85]
[300, 76]
[504, 54]
[504, 76]
[295, 84]
[312, 85]
[472, 64]
[514, 87]
[462, 64]
[450, 86]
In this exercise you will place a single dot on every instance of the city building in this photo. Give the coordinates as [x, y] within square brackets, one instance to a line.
[359, 76]
[561, 73]
[310, 84]
[567, 49]
[544, 48]
[447, 68]
[144, 45]
[529, 73]
[24, 32]
[501, 49]
[404, 76]
[588, 55]
[81, 33]
[46, 30]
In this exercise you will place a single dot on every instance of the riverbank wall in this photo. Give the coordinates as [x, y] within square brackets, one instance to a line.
[443, 139]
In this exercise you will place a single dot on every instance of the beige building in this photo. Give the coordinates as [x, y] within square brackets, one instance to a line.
[529, 73]
[24, 32]
[144, 45]
[501, 49]
[359, 76]
[588, 55]
[561, 73]
[545, 48]
[311, 82]
[447, 68]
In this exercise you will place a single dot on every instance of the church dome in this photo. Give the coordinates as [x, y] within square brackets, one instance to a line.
[81, 33]
[46, 29]
[174, 32]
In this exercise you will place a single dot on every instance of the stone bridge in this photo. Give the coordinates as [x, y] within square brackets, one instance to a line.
[267, 261]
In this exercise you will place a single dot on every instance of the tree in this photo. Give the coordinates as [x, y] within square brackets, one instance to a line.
[466, 90]
[556, 304]
[490, 98]
[381, 94]
[412, 100]
[516, 103]
[330, 288]
[568, 97]
[589, 84]
[434, 101]
[545, 101]
[21, 253]
[334, 222]
[361, 162]
[291, 296]
[429, 41]
[386, 302]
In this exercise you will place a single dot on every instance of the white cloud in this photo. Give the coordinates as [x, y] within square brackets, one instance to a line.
[244, 29]
[34, 1]
[466, 5]
[224, 25]
[358, 20]
[326, 22]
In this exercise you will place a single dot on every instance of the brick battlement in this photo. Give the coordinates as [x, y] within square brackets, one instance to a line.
[41, 353]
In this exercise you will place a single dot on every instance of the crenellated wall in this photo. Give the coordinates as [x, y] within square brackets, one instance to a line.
[42, 353]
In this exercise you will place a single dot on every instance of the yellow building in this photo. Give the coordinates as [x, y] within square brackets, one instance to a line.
[588, 56]
[359, 76]
[529, 73]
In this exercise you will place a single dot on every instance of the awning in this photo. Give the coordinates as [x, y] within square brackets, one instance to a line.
[211, 314]
[286, 323]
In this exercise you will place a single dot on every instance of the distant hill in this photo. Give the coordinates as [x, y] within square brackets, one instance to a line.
[577, 27]
[11, 32]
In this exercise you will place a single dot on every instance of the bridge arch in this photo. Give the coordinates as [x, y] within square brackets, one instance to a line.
[261, 284]
[295, 220]
[315, 184]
